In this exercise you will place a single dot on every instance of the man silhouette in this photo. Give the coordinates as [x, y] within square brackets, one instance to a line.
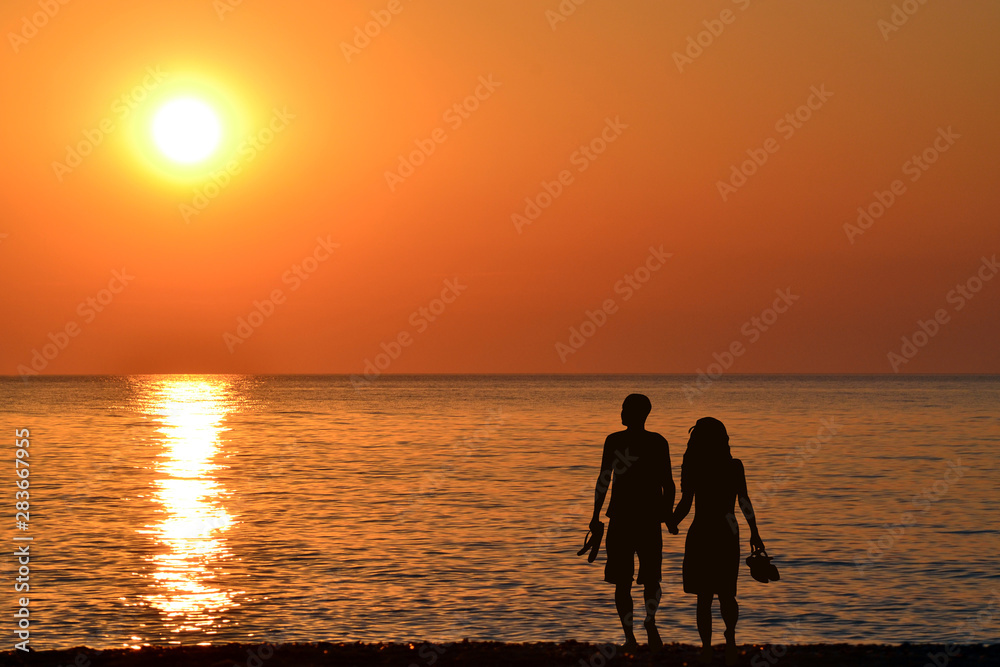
[638, 463]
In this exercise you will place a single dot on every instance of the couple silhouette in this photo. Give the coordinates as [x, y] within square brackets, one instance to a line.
[636, 465]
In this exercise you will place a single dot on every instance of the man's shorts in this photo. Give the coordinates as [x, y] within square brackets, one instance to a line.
[625, 540]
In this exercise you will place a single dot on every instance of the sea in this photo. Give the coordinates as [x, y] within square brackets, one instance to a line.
[208, 509]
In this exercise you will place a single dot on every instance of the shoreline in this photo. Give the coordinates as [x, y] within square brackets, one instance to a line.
[487, 654]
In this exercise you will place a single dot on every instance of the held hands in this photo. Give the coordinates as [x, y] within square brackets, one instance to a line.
[755, 542]
[671, 523]
[595, 524]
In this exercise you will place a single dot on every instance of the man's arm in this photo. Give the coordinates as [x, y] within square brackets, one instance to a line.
[603, 481]
[669, 491]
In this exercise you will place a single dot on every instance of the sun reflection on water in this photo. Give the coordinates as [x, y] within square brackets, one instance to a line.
[190, 538]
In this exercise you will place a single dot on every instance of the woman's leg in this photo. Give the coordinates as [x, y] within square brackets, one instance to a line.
[704, 618]
[651, 595]
[730, 615]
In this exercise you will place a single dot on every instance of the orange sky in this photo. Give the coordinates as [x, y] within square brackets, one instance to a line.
[346, 115]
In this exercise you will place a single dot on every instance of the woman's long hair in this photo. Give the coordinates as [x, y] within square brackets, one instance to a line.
[707, 454]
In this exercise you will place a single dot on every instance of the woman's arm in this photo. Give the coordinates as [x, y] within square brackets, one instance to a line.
[683, 507]
[747, 506]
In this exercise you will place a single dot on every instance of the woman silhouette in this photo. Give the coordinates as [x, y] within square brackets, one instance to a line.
[712, 550]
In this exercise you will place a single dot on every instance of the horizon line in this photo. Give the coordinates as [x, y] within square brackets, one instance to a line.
[519, 374]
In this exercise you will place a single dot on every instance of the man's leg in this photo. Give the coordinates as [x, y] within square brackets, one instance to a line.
[618, 570]
[651, 595]
[623, 602]
[650, 566]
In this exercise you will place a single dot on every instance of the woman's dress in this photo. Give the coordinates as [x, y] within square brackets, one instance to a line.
[712, 548]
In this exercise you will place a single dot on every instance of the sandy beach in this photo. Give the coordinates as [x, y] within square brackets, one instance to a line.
[500, 654]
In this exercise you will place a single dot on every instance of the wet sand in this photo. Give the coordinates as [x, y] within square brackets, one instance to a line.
[489, 654]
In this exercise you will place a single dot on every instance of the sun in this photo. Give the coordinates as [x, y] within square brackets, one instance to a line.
[186, 130]
[190, 126]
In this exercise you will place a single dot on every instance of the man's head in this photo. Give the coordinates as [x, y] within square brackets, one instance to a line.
[635, 409]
